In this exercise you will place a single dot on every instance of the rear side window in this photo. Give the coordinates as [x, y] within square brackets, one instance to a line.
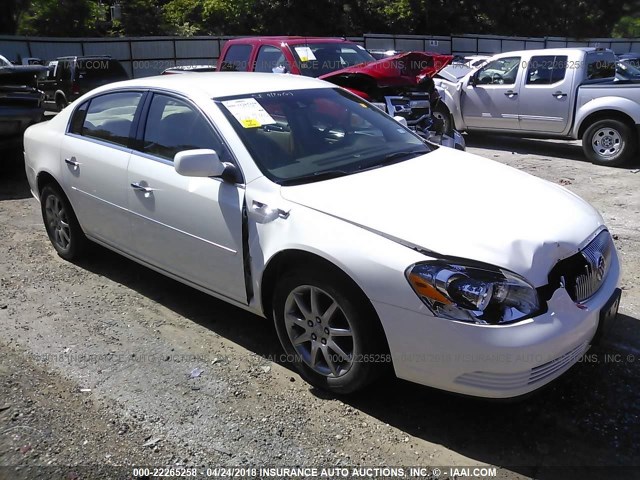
[110, 117]
[546, 69]
[271, 60]
[77, 121]
[600, 65]
[173, 126]
[100, 68]
[236, 59]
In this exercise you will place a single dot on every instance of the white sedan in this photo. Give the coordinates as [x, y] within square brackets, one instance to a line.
[370, 249]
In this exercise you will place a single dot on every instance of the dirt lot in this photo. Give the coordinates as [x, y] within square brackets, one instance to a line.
[95, 362]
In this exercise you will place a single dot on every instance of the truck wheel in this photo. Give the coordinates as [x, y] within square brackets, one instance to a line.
[441, 112]
[61, 102]
[609, 143]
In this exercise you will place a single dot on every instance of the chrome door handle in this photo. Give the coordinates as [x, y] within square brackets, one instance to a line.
[559, 95]
[141, 188]
[511, 94]
[72, 161]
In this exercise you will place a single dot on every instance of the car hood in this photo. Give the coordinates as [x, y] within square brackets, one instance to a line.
[402, 69]
[455, 204]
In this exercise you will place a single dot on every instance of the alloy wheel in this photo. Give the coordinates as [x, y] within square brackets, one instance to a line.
[319, 331]
[58, 222]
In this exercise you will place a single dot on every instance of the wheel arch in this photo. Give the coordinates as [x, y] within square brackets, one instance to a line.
[288, 259]
[610, 114]
[45, 178]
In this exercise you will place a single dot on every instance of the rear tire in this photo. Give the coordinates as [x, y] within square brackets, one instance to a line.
[329, 331]
[609, 143]
[61, 223]
[61, 102]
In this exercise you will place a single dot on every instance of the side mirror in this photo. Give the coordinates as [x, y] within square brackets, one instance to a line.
[401, 120]
[199, 163]
[473, 80]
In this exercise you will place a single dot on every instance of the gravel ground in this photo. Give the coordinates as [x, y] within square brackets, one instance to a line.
[97, 360]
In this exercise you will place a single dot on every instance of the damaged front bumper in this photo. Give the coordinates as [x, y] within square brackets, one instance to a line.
[415, 109]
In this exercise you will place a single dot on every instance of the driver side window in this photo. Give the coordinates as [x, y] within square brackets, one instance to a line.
[502, 71]
[173, 126]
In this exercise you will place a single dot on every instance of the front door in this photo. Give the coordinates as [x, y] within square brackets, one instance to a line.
[190, 227]
[492, 103]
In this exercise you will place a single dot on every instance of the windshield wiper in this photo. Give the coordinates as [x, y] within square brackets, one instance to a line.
[315, 177]
[395, 157]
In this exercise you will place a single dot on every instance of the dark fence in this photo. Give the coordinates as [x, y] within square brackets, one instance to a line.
[144, 56]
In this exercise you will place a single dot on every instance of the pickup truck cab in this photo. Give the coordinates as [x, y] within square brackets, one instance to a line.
[554, 93]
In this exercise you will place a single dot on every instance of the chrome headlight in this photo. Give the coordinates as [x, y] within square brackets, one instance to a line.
[473, 294]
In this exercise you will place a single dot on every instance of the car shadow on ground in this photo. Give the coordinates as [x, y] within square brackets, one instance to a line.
[587, 418]
[527, 146]
[13, 179]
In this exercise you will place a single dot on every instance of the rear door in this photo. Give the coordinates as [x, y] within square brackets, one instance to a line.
[492, 103]
[95, 154]
[190, 227]
[545, 97]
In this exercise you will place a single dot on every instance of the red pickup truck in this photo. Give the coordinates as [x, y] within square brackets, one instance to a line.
[401, 85]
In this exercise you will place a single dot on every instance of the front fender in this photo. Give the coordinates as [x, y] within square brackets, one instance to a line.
[608, 103]
[450, 95]
[376, 264]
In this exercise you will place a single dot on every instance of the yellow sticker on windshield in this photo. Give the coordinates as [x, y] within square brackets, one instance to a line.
[248, 112]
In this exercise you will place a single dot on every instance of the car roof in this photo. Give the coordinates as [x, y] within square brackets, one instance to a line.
[86, 57]
[292, 40]
[223, 84]
[555, 51]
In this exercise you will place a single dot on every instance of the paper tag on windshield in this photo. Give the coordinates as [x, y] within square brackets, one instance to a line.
[248, 112]
[305, 54]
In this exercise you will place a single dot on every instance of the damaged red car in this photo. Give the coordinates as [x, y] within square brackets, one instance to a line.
[401, 85]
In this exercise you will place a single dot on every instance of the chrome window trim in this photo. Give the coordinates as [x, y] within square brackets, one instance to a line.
[86, 100]
[104, 143]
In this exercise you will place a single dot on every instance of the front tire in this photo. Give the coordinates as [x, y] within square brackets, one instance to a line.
[441, 112]
[609, 143]
[328, 331]
[61, 223]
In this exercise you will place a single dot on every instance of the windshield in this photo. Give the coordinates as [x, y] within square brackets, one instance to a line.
[302, 136]
[316, 59]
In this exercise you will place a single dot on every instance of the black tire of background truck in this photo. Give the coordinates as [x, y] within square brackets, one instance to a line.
[616, 140]
[61, 102]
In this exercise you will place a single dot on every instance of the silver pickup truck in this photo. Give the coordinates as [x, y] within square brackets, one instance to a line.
[553, 93]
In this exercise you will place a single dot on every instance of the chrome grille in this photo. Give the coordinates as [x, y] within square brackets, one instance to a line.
[598, 261]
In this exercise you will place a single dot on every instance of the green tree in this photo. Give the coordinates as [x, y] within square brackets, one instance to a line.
[141, 18]
[61, 18]
[185, 17]
[12, 10]
[627, 27]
